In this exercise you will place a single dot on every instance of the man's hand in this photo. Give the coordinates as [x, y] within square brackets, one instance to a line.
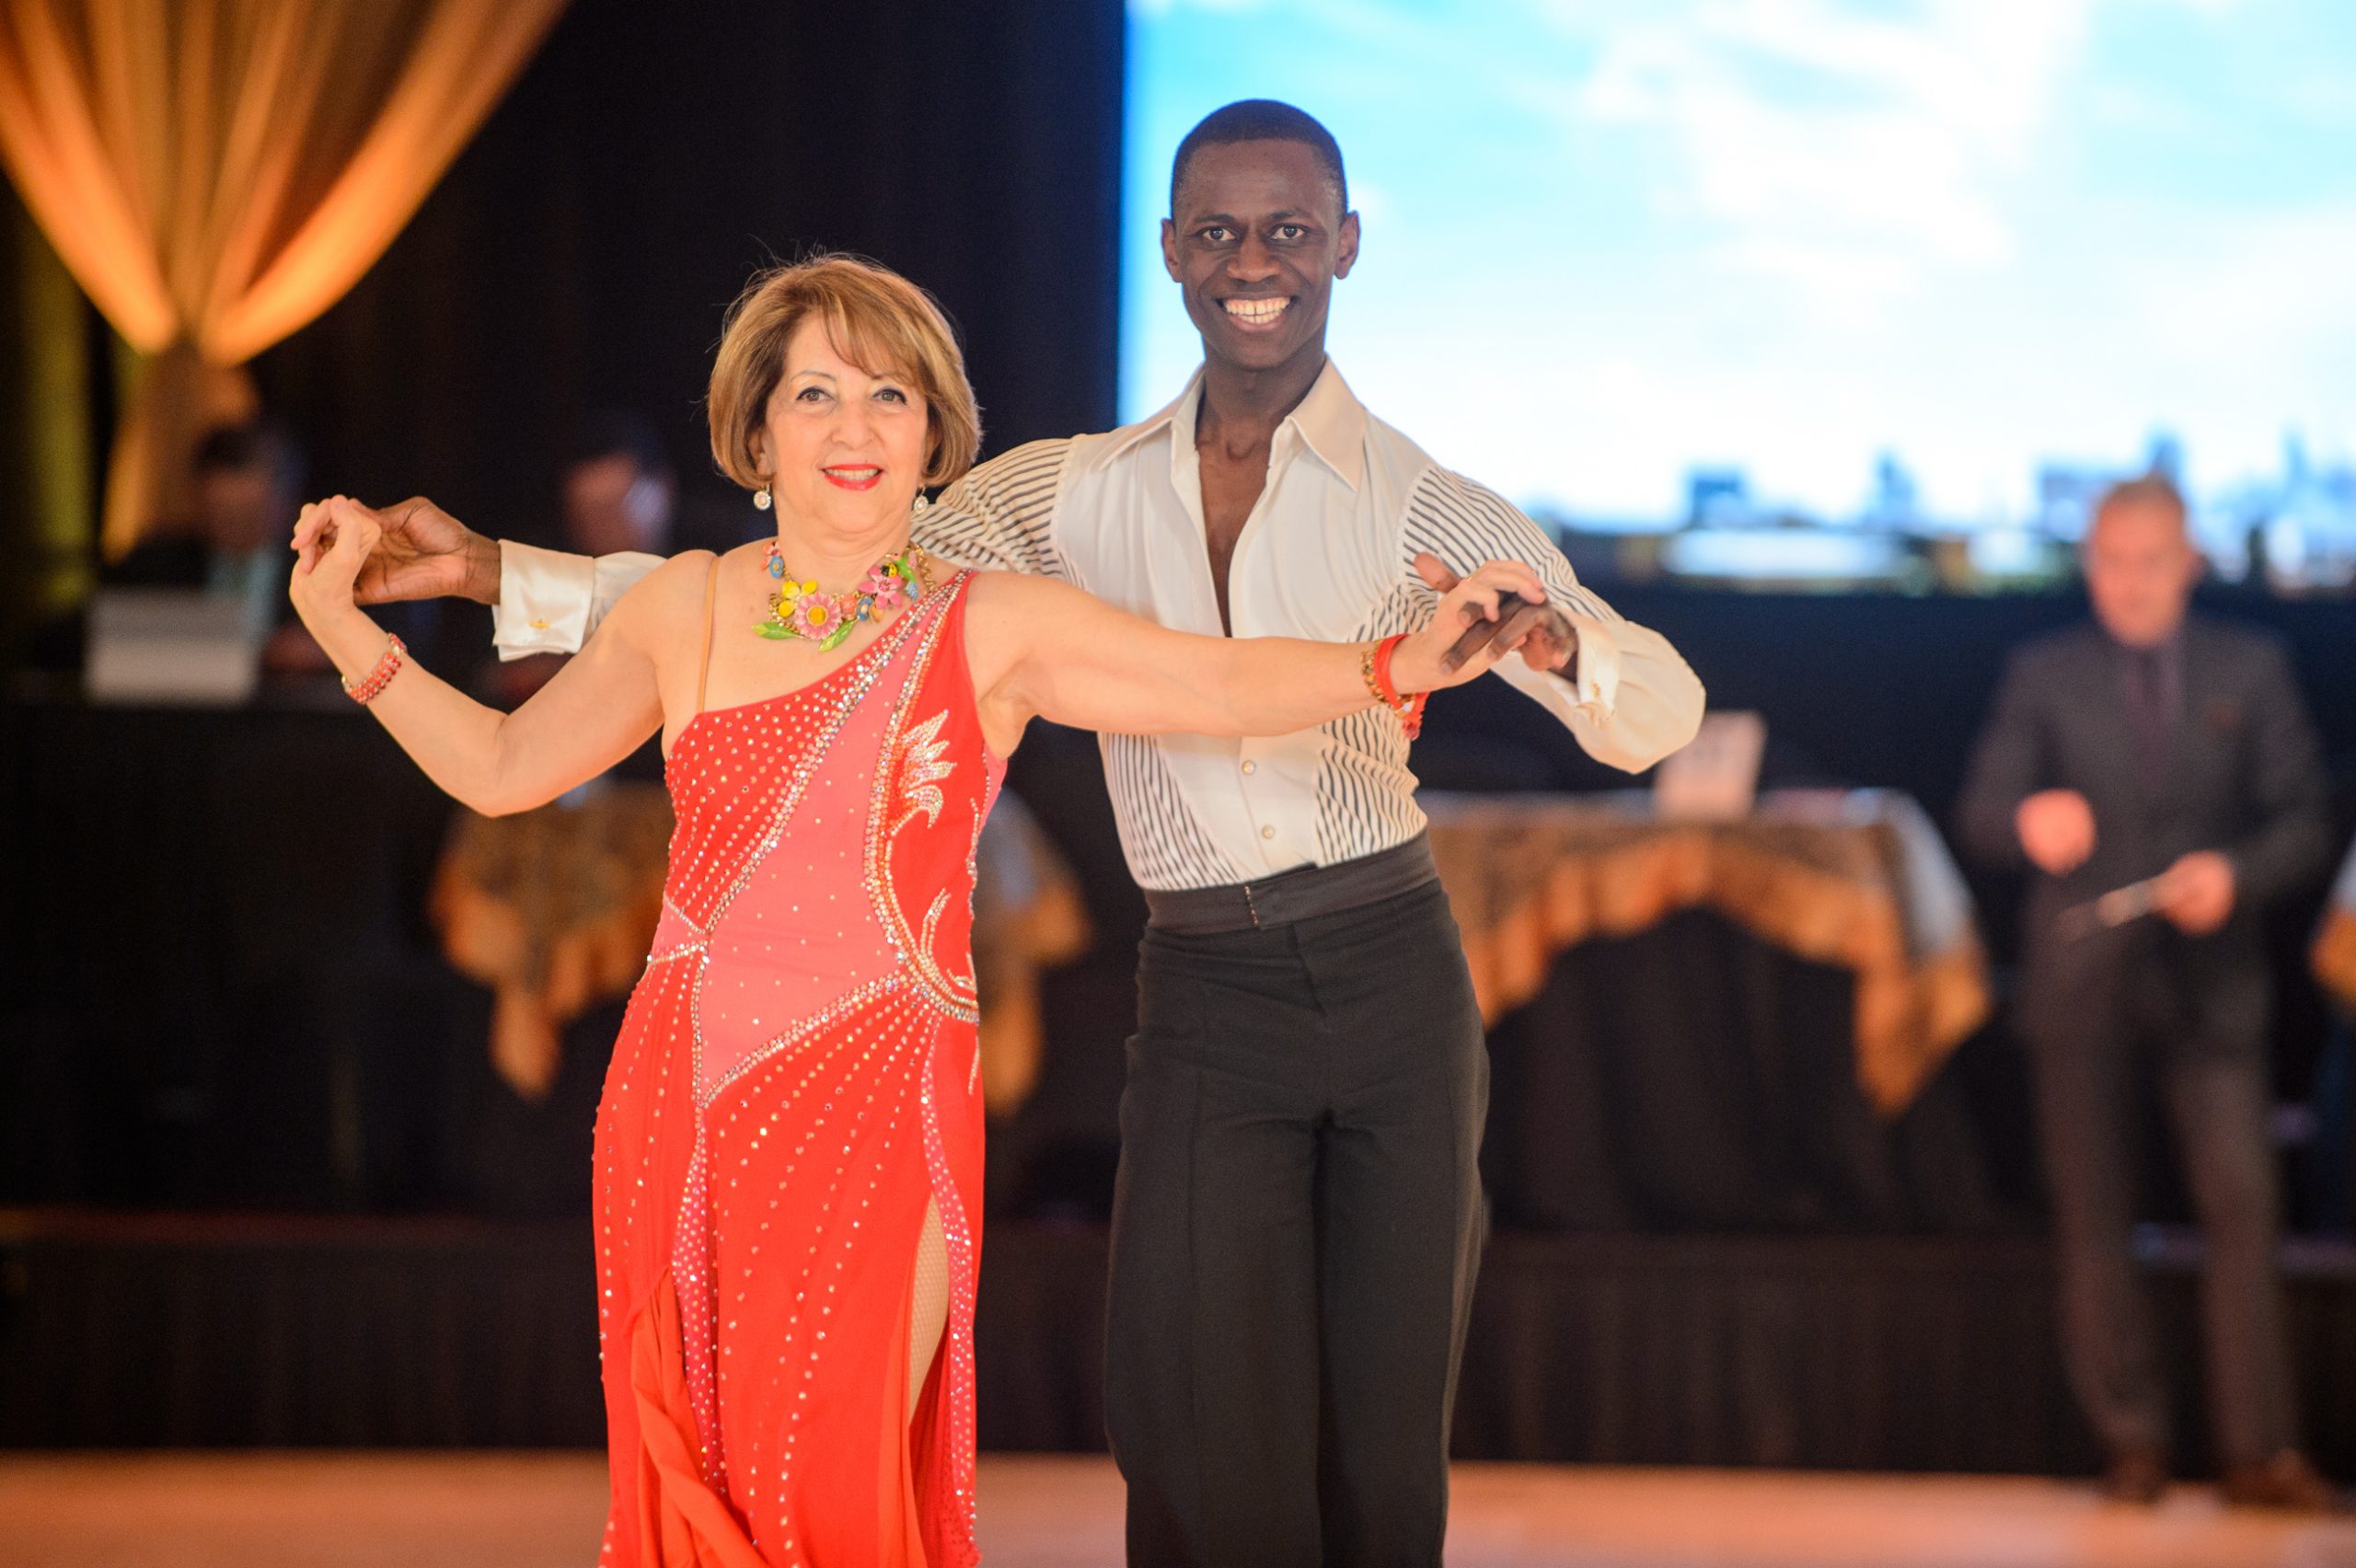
[1545, 636]
[421, 552]
[2196, 894]
[2057, 831]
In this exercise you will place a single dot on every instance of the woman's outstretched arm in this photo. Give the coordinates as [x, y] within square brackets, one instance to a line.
[597, 710]
[1043, 648]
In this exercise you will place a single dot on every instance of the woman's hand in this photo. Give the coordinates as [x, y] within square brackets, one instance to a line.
[1427, 660]
[332, 541]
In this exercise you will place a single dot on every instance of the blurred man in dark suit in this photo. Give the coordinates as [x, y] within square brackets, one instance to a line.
[2152, 746]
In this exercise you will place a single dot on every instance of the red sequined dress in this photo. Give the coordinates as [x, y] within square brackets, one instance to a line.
[795, 1085]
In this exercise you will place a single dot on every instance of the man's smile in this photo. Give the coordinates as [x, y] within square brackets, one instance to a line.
[1256, 314]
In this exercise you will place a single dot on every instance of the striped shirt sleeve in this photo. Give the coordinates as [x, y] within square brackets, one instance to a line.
[1001, 517]
[1627, 695]
[1465, 523]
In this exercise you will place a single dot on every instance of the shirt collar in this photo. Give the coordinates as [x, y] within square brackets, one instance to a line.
[1333, 421]
[1330, 420]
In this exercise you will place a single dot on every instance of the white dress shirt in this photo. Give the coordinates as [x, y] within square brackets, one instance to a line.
[1327, 553]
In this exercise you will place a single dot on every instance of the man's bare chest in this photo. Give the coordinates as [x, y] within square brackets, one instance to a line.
[1232, 488]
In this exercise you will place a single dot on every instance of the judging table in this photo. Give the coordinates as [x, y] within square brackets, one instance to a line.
[1857, 879]
[1724, 1025]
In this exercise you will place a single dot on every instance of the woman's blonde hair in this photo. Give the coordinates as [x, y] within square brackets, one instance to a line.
[879, 321]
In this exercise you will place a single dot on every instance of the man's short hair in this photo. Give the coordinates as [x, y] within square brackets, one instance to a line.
[1261, 120]
[2145, 490]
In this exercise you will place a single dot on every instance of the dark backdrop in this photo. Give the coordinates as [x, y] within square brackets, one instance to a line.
[581, 250]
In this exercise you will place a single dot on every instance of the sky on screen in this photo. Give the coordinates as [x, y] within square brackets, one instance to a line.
[1609, 240]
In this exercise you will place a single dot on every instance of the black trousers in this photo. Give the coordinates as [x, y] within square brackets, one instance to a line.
[1296, 1228]
[2129, 1020]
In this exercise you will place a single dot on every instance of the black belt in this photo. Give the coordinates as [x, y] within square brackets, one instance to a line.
[1300, 894]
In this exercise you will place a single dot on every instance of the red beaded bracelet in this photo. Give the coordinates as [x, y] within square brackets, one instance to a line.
[382, 676]
[1409, 709]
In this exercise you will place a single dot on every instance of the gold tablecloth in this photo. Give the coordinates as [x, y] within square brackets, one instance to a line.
[554, 910]
[1028, 917]
[1857, 879]
[2335, 951]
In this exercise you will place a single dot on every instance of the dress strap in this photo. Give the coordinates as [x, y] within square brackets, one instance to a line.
[703, 668]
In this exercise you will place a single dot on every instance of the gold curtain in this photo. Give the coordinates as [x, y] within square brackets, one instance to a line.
[216, 173]
[47, 498]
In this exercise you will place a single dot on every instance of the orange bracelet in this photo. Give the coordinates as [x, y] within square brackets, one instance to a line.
[1410, 708]
[366, 691]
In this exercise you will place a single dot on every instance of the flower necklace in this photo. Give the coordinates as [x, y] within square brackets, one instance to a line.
[799, 610]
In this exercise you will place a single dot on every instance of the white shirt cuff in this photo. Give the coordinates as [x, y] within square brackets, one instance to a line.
[550, 602]
[1594, 674]
[544, 601]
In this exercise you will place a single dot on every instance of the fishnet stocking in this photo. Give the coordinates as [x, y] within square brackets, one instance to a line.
[928, 1315]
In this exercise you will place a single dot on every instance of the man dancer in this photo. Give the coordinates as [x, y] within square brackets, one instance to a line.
[2151, 745]
[1296, 1221]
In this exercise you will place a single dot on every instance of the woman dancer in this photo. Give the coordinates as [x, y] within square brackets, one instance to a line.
[789, 1148]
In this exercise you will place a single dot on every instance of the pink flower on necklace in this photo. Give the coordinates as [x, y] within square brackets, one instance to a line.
[814, 616]
[884, 586]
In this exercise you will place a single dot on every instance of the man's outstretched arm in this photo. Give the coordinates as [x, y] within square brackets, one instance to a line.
[997, 518]
[1627, 695]
[542, 600]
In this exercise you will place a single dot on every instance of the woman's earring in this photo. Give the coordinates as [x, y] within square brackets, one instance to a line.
[917, 510]
[761, 499]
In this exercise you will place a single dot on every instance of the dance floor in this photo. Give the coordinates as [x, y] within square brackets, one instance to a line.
[511, 1510]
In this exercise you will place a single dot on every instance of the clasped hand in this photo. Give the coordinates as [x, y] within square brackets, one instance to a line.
[419, 551]
[1447, 652]
[334, 541]
[1540, 633]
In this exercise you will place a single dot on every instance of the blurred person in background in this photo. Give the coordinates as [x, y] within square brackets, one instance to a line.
[618, 491]
[618, 494]
[615, 492]
[248, 487]
[2153, 747]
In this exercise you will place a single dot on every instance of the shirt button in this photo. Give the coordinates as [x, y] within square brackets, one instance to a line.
[1268, 833]
[1251, 767]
